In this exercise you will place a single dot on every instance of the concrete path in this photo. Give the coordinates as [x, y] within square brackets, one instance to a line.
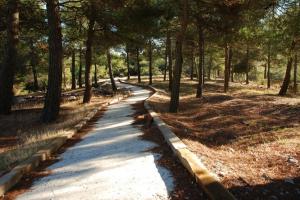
[109, 163]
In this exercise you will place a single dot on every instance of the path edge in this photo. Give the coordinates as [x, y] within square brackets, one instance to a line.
[10, 179]
[212, 187]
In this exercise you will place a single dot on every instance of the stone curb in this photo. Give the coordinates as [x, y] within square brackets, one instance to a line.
[212, 187]
[8, 180]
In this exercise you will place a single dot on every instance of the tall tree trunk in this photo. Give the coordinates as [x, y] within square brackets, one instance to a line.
[64, 77]
[111, 76]
[33, 63]
[247, 65]
[166, 60]
[53, 96]
[269, 68]
[73, 71]
[128, 63]
[210, 67]
[230, 65]
[95, 75]
[287, 77]
[201, 61]
[138, 64]
[80, 68]
[227, 68]
[265, 71]
[170, 60]
[7, 73]
[192, 63]
[88, 61]
[150, 62]
[295, 73]
[174, 101]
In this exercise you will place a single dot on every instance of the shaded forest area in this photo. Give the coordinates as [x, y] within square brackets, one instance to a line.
[227, 70]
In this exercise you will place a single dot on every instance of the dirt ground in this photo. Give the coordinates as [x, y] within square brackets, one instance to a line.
[22, 132]
[41, 171]
[249, 137]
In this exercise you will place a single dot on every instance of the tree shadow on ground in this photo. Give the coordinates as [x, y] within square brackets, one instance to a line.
[276, 189]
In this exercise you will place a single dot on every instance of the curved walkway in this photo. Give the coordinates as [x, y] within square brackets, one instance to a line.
[111, 162]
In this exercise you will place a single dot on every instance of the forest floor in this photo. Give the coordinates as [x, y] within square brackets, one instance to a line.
[124, 160]
[22, 132]
[249, 138]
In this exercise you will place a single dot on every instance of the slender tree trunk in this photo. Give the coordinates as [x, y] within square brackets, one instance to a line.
[247, 65]
[287, 78]
[166, 61]
[192, 63]
[227, 68]
[64, 78]
[33, 63]
[170, 60]
[128, 63]
[53, 96]
[201, 62]
[73, 71]
[80, 68]
[7, 73]
[269, 68]
[88, 61]
[230, 65]
[265, 71]
[295, 73]
[210, 67]
[95, 75]
[174, 101]
[111, 76]
[138, 64]
[34, 73]
[150, 62]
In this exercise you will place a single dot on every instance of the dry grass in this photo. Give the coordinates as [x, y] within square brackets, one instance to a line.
[247, 136]
[22, 133]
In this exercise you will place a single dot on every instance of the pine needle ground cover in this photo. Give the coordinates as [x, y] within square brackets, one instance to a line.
[250, 138]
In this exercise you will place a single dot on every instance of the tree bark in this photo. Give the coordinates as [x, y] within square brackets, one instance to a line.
[95, 75]
[7, 72]
[170, 60]
[295, 73]
[192, 63]
[33, 63]
[230, 65]
[88, 61]
[128, 63]
[210, 67]
[269, 68]
[80, 68]
[287, 77]
[227, 68]
[64, 78]
[150, 62]
[174, 101]
[265, 71]
[53, 96]
[166, 60]
[138, 64]
[201, 61]
[247, 65]
[111, 76]
[73, 71]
